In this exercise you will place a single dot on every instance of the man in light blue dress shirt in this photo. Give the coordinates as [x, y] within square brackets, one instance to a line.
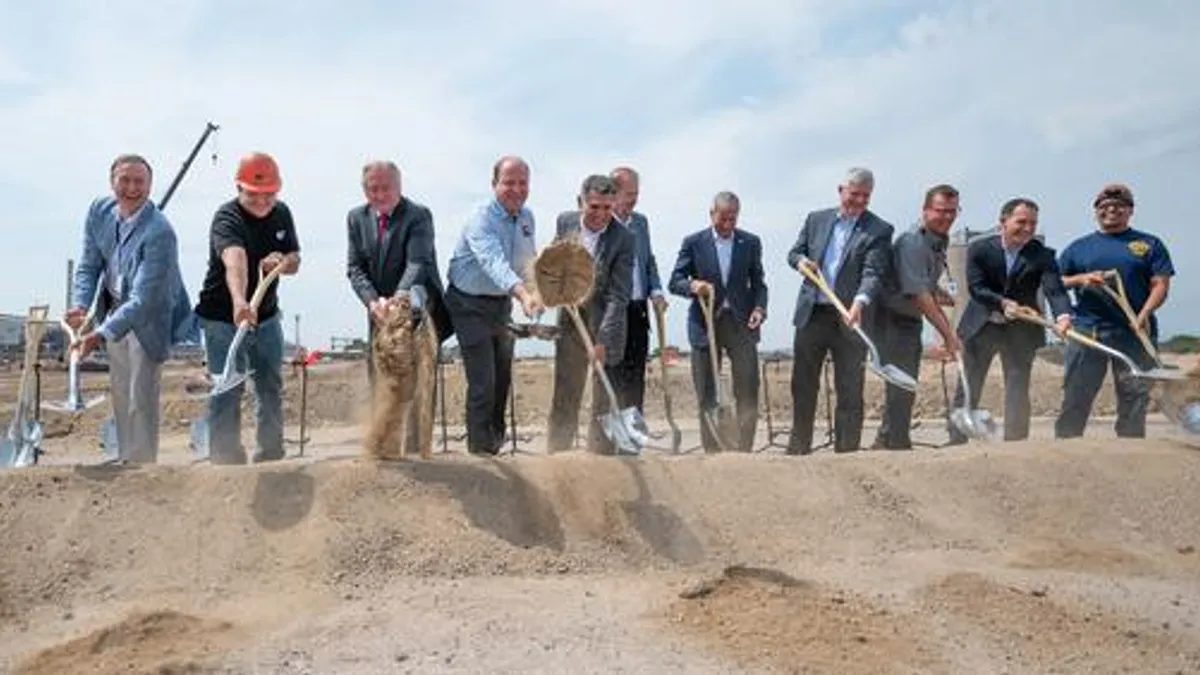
[485, 274]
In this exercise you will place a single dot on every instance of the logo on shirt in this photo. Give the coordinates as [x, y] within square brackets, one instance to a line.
[280, 234]
[1139, 248]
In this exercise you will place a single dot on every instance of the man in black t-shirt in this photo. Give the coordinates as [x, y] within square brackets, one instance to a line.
[250, 233]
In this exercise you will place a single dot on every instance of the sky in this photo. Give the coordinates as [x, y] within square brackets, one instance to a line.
[772, 99]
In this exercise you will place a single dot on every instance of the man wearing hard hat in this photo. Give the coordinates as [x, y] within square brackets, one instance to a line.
[251, 235]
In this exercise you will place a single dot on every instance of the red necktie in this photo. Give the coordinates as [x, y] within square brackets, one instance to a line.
[383, 223]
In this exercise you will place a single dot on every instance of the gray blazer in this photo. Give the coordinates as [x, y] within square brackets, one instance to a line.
[605, 311]
[865, 259]
[642, 249]
[408, 258]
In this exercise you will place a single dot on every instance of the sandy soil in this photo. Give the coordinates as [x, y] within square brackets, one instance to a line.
[1034, 557]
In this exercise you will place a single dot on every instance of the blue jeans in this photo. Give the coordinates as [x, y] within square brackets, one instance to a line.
[262, 352]
[1085, 371]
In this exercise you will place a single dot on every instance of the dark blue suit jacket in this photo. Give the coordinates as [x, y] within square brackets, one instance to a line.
[747, 288]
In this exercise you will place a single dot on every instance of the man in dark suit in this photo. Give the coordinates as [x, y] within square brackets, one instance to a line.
[604, 313]
[391, 250]
[1006, 270]
[727, 262]
[645, 285]
[851, 246]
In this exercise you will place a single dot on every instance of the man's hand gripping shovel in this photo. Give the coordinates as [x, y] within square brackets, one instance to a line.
[230, 377]
[722, 420]
[888, 372]
[75, 402]
[1185, 413]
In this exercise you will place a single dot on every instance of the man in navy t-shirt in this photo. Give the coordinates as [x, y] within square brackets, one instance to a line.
[1144, 265]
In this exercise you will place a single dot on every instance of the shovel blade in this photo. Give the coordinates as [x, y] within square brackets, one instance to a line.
[21, 452]
[226, 384]
[620, 429]
[8, 454]
[1189, 418]
[723, 424]
[977, 424]
[108, 439]
[893, 374]
[198, 440]
[1164, 374]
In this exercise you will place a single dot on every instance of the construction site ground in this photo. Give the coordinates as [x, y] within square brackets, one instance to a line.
[1029, 557]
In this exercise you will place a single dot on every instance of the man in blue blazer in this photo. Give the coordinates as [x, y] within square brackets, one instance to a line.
[852, 247]
[131, 254]
[644, 285]
[728, 262]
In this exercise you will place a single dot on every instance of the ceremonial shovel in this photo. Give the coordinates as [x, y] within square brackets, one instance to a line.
[888, 372]
[972, 423]
[1164, 374]
[230, 378]
[625, 428]
[75, 402]
[722, 421]
[21, 445]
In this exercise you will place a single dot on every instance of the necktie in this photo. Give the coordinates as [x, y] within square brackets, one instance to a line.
[383, 224]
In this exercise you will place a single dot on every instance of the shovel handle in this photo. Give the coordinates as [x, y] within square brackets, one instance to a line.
[588, 345]
[1122, 301]
[818, 280]
[660, 322]
[1032, 316]
[706, 308]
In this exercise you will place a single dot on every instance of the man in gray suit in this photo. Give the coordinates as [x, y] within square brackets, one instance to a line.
[391, 250]
[645, 285]
[851, 247]
[605, 314]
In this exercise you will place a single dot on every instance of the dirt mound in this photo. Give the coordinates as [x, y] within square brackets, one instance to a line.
[765, 618]
[158, 643]
[1035, 630]
[876, 540]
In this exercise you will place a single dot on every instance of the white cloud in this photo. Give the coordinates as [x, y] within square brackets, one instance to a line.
[771, 98]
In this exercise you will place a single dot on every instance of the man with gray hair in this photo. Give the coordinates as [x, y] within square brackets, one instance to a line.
[604, 313]
[851, 247]
[487, 271]
[391, 251]
[726, 262]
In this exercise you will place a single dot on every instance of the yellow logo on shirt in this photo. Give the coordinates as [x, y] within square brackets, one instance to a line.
[1139, 248]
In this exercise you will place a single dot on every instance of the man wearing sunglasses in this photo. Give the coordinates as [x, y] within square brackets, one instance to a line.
[1142, 264]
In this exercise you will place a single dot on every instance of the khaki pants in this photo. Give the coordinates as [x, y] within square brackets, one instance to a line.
[134, 379]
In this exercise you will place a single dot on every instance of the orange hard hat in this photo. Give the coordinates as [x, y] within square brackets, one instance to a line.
[258, 172]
